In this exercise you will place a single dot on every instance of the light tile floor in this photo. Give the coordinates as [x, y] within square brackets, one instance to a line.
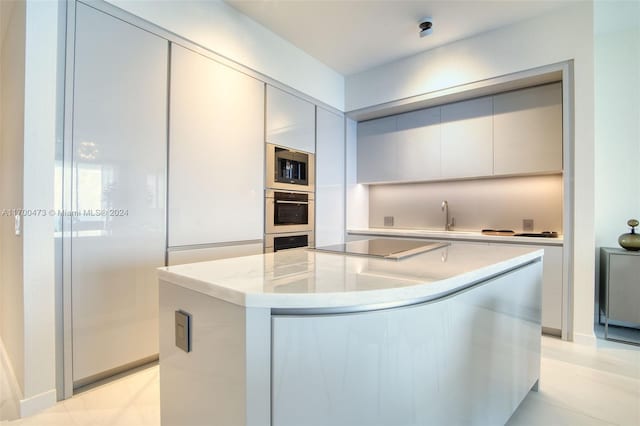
[579, 386]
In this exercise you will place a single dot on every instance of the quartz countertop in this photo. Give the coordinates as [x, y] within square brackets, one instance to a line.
[306, 279]
[456, 235]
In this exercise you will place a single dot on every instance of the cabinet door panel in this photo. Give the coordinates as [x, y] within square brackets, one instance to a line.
[330, 162]
[180, 257]
[290, 121]
[552, 277]
[552, 288]
[467, 138]
[216, 155]
[118, 162]
[624, 291]
[528, 130]
[377, 153]
[466, 359]
[418, 145]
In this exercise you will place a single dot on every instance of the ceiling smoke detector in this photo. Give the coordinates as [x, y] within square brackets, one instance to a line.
[426, 27]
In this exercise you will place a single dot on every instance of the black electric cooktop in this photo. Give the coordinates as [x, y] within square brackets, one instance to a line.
[387, 248]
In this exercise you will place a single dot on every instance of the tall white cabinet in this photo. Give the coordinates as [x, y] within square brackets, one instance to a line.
[330, 178]
[216, 153]
[119, 155]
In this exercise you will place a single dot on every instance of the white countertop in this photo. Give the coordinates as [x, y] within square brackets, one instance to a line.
[306, 279]
[456, 235]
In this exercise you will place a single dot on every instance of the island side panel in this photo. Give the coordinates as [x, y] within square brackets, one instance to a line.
[470, 358]
[225, 378]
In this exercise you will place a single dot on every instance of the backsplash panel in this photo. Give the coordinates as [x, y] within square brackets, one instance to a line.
[496, 203]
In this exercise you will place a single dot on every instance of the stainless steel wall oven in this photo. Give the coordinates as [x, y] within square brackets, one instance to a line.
[276, 242]
[287, 211]
[289, 199]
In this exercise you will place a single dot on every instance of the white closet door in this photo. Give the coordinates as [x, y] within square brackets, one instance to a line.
[330, 179]
[119, 162]
[216, 152]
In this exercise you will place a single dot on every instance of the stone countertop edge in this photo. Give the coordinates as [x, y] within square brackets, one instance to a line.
[470, 236]
[406, 295]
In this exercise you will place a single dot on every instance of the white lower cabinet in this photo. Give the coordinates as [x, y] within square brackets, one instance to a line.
[552, 279]
[465, 359]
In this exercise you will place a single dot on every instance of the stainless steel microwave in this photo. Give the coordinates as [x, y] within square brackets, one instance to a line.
[289, 169]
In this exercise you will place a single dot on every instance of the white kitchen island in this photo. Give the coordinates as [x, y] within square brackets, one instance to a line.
[299, 337]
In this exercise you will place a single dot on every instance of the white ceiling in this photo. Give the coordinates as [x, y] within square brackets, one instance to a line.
[354, 35]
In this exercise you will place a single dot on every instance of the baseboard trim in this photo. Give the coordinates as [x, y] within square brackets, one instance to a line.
[14, 387]
[551, 332]
[35, 404]
[585, 339]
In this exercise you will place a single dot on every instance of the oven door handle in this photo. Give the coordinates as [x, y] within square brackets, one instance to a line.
[290, 202]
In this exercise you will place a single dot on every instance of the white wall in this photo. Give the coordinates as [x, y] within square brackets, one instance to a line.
[562, 35]
[217, 26]
[617, 113]
[38, 250]
[500, 203]
[28, 110]
[11, 168]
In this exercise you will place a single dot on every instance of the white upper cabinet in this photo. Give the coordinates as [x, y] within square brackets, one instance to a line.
[467, 138]
[216, 152]
[528, 130]
[290, 121]
[330, 187]
[377, 153]
[418, 145]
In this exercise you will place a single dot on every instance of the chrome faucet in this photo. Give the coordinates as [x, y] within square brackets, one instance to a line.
[445, 208]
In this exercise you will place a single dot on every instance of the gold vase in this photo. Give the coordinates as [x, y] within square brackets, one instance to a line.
[630, 241]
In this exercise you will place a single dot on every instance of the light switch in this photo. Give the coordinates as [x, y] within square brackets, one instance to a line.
[183, 330]
[18, 225]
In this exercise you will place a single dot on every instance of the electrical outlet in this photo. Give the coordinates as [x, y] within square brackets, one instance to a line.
[527, 225]
[388, 221]
[183, 330]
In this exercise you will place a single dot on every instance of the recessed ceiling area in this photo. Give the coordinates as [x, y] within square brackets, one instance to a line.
[351, 36]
